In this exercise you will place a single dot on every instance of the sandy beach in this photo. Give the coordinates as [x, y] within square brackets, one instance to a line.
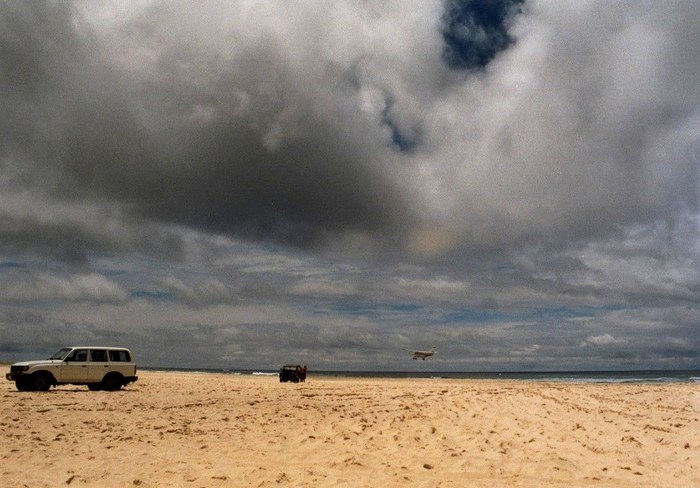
[208, 430]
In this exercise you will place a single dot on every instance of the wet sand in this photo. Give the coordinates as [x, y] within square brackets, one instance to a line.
[208, 430]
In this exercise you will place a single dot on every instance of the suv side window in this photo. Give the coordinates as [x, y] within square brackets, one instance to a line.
[78, 355]
[119, 356]
[98, 355]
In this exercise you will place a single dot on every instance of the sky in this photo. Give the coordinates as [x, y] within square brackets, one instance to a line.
[245, 184]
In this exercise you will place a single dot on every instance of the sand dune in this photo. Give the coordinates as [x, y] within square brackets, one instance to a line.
[202, 430]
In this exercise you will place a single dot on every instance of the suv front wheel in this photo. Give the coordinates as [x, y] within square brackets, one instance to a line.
[40, 382]
[23, 384]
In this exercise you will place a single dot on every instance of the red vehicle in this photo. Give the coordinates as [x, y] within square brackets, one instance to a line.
[292, 372]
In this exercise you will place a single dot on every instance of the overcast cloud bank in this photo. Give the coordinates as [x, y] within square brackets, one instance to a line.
[514, 182]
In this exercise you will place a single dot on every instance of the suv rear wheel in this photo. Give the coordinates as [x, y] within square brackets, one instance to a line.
[112, 382]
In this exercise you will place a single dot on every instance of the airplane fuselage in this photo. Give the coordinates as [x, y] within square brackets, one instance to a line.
[423, 354]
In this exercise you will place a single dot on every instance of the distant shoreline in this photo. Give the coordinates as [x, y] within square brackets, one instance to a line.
[631, 376]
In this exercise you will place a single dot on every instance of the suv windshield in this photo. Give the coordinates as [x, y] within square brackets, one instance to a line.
[61, 353]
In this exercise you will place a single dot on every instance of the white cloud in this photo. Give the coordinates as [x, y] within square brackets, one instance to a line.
[198, 294]
[604, 340]
[40, 287]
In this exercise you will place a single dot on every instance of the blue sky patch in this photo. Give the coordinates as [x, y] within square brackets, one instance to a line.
[475, 31]
[152, 295]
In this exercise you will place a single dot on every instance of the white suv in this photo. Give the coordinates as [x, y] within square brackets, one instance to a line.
[100, 368]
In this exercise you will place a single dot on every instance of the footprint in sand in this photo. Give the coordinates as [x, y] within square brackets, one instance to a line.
[696, 401]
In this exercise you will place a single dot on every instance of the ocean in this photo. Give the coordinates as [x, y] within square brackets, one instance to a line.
[665, 376]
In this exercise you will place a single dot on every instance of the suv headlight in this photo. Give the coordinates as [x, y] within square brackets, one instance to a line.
[19, 369]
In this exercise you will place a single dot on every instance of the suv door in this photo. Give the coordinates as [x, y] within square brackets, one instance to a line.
[98, 366]
[120, 360]
[75, 367]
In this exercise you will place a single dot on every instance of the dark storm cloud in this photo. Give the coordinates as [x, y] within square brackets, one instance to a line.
[316, 136]
[232, 146]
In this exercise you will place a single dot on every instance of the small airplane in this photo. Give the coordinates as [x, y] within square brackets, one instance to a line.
[423, 354]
